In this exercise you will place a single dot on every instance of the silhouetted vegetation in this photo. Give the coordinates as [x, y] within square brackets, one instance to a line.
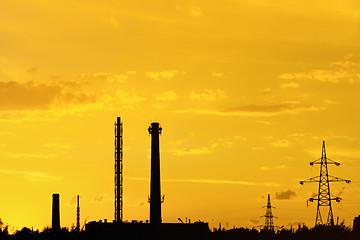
[302, 232]
[340, 232]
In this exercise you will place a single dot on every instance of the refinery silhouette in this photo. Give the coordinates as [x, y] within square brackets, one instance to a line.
[324, 228]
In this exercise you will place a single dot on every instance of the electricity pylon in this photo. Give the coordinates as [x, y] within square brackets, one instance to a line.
[269, 217]
[323, 197]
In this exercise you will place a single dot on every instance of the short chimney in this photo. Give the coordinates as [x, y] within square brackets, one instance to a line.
[56, 212]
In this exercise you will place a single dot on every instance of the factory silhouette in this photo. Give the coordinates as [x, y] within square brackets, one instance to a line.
[154, 228]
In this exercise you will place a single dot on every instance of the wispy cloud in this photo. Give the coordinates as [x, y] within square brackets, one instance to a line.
[33, 96]
[336, 153]
[254, 221]
[196, 11]
[265, 90]
[212, 181]
[166, 74]
[189, 151]
[331, 135]
[285, 195]
[103, 77]
[73, 200]
[257, 110]
[29, 155]
[63, 146]
[128, 100]
[289, 85]
[272, 168]
[167, 96]
[283, 143]
[207, 95]
[227, 142]
[340, 71]
[32, 70]
[217, 74]
[32, 176]
[101, 199]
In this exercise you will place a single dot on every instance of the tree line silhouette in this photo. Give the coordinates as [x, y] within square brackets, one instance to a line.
[302, 232]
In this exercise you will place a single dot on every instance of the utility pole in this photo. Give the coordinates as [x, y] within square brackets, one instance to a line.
[323, 197]
[118, 170]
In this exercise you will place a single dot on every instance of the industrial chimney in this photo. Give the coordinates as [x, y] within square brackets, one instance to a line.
[56, 212]
[78, 214]
[155, 192]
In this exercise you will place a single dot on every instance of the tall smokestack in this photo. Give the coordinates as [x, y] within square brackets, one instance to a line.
[155, 192]
[56, 212]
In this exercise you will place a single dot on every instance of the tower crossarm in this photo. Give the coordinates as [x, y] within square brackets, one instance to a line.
[328, 161]
[331, 179]
[336, 179]
[313, 179]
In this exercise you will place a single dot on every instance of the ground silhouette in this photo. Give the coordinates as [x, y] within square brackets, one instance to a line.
[302, 232]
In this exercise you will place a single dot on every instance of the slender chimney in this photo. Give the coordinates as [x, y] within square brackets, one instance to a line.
[155, 192]
[78, 214]
[56, 212]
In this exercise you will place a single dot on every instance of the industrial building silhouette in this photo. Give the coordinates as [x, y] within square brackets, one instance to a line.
[153, 229]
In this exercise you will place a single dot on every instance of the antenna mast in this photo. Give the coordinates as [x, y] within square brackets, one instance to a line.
[118, 170]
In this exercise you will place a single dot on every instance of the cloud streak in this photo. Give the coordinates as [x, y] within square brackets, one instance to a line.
[340, 71]
[30, 155]
[167, 96]
[213, 181]
[32, 176]
[254, 110]
[207, 95]
[189, 151]
[166, 74]
[272, 168]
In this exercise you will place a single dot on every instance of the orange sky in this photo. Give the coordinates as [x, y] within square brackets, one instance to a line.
[245, 92]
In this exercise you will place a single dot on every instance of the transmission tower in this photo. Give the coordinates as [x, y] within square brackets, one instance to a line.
[269, 217]
[118, 170]
[323, 197]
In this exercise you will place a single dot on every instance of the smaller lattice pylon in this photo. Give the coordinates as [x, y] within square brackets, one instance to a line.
[269, 217]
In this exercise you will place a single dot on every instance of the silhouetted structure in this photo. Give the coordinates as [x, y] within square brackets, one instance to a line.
[269, 217]
[118, 170]
[155, 198]
[56, 212]
[78, 214]
[323, 197]
[138, 229]
[141, 230]
[356, 224]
